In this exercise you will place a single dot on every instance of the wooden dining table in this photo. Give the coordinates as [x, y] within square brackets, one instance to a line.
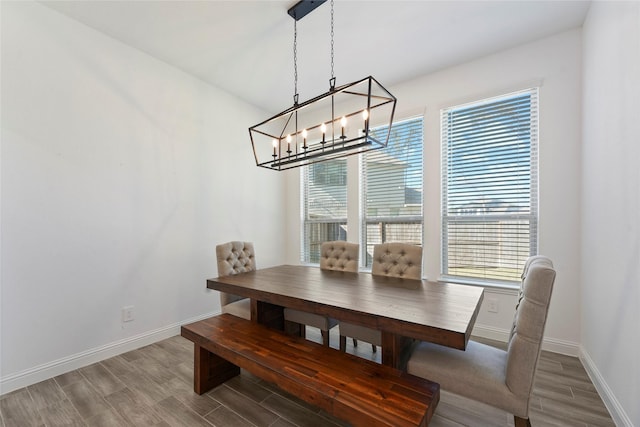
[403, 310]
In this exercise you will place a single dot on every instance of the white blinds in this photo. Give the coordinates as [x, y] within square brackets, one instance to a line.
[324, 206]
[489, 187]
[392, 188]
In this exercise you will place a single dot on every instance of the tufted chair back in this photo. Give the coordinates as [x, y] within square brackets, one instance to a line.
[234, 258]
[525, 341]
[340, 256]
[397, 260]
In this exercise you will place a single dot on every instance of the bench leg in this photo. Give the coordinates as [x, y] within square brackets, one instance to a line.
[210, 370]
[521, 422]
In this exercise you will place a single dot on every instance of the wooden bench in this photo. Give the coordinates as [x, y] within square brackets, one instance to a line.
[359, 391]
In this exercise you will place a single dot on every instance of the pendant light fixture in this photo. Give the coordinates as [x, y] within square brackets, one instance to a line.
[334, 124]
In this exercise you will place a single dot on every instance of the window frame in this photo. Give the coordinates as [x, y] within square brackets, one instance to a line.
[532, 216]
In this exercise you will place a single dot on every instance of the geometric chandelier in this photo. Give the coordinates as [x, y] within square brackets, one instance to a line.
[334, 124]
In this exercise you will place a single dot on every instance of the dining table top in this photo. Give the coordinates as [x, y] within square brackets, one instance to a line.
[443, 313]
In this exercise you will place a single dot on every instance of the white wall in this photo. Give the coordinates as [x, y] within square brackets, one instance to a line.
[553, 63]
[611, 206]
[119, 176]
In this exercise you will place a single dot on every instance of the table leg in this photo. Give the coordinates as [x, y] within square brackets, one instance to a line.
[267, 314]
[293, 328]
[272, 315]
[396, 350]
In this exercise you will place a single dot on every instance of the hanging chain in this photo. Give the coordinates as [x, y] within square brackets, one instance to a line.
[332, 81]
[295, 61]
[332, 74]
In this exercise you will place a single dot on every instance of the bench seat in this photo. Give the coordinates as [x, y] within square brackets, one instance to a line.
[359, 391]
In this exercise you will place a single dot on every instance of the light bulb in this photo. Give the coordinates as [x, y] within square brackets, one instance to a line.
[289, 138]
[304, 133]
[323, 128]
[365, 116]
[343, 121]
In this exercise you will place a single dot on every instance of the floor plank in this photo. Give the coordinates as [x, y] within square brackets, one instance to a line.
[86, 399]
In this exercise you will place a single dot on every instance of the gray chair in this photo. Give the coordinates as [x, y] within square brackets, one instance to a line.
[235, 258]
[338, 256]
[389, 259]
[503, 379]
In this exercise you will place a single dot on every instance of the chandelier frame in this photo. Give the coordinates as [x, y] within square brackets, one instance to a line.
[307, 132]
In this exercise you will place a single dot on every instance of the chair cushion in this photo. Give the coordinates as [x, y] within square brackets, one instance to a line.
[310, 319]
[397, 260]
[235, 257]
[339, 255]
[361, 333]
[478, 373]
[529, 323]
[240, 308]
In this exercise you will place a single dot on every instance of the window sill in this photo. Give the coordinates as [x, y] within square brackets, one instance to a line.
[507, 287]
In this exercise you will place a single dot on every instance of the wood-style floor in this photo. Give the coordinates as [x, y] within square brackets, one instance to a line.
[152, 386]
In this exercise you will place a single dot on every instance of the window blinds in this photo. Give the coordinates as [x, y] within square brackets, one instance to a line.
[489, 187]
[391, 188]
[324, 206]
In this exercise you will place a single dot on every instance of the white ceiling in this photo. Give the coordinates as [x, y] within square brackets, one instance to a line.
[246, 47]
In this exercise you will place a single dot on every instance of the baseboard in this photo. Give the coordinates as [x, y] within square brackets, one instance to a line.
[555, 345]
[58, 367]
[549, 344]
[619, 415]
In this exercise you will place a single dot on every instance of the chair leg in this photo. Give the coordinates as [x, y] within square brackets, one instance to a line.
[521, 422]
[355, 342]
[343, 343]
[325, 338]
[373, 347]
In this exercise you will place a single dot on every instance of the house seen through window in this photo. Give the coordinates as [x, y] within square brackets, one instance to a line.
[391, 188]
[324, 206]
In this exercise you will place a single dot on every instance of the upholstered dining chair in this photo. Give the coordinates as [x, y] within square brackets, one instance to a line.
[389, 259]
[336, 255]
[503, 379]
[235, 258]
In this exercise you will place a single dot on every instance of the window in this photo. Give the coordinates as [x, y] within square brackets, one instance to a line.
[489, 187]
[391, 188]
[324, 206]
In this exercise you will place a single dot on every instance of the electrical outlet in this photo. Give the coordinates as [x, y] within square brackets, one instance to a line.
[492, 305]
[127, 313]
